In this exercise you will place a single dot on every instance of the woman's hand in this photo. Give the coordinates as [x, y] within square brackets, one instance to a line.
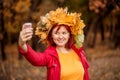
[25, 35]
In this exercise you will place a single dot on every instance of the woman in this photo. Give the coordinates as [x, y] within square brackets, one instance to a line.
[64, 56]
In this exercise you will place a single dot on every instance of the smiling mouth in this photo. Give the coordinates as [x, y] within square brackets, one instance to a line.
[60, 41]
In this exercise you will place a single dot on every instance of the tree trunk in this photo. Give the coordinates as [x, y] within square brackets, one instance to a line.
[2, 31]
[97, 23]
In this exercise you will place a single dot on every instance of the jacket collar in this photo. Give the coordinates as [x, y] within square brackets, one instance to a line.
[51, 50]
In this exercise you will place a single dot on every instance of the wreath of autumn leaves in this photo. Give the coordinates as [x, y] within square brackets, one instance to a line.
[59, 16]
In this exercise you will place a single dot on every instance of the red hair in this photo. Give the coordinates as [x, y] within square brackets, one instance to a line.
[70, 41]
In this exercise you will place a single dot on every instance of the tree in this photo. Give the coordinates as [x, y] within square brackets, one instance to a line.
[101, 9]
[2, 30]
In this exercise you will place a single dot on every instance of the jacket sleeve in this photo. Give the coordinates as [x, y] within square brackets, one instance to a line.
[35, 58]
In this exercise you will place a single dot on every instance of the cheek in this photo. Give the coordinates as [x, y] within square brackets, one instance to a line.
[68, 36]
[54, 36]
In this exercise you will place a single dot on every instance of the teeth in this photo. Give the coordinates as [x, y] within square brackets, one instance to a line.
[60, 41]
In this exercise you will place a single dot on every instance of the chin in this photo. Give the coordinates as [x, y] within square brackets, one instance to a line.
[60, 45]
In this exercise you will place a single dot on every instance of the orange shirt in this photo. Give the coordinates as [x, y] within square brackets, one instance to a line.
[71, 66]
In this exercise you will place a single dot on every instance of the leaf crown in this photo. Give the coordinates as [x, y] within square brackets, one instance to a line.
[59, 16]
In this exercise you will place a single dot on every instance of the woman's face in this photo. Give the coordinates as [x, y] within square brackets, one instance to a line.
[60, 36]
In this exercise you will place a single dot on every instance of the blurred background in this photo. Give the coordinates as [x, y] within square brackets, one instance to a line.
[102, 35]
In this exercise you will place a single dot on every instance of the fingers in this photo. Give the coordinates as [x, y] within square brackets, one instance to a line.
[27, 31]
[26, 34]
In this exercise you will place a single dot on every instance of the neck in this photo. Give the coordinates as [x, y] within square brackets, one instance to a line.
[63, 50]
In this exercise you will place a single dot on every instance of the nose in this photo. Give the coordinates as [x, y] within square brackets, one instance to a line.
[60, 36]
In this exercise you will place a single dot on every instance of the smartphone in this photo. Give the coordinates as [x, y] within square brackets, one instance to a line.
[27, 25]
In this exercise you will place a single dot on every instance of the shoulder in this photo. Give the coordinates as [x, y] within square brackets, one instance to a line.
[77, 49]
[50, 50]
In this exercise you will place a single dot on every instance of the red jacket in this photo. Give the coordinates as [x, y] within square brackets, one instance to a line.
[50, 59]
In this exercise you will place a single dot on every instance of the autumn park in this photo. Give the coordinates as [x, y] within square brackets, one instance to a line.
[101, 43]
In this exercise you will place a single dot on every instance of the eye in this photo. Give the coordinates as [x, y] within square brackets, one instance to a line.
[64, 33]
[56, 33]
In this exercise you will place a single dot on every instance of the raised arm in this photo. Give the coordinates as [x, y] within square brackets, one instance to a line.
[35, 58]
